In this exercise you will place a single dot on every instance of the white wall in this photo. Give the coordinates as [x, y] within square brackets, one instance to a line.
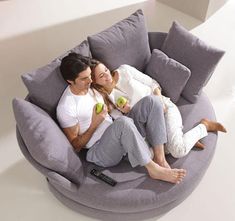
[201, 9]
[214, 5]
[32, 33]
[197, 8]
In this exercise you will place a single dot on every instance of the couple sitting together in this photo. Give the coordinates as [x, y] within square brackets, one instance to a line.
[145, 128]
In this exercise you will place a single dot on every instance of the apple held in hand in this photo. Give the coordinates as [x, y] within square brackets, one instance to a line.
[121, 101]
[99, 107]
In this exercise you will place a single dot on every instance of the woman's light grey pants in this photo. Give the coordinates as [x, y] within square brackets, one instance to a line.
[126, 135]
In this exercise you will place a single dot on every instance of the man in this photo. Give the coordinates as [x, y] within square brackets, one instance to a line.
[108, 141]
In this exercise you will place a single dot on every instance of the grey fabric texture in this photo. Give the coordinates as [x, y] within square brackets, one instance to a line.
[46, 85]
[156, 39]
[124, 43]
[45, 141]
[169, 73]
[195, 54]
[148, 117]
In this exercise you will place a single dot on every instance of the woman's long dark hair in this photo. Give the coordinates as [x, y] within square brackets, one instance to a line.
[110, 105]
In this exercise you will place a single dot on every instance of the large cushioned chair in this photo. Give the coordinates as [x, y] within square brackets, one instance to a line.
[178, 61]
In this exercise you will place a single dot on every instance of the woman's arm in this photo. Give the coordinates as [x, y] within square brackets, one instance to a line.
[139, 76]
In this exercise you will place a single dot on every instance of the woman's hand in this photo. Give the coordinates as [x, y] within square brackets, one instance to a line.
[157, 91]
[164, 108]
[126, 108]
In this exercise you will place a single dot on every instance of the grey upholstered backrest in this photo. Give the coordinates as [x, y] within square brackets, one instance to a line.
[156, 39]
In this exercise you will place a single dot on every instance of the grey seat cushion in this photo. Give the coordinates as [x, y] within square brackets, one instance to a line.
[135, 191]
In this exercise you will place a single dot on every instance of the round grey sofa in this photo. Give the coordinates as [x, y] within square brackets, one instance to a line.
[68, 173]
[135, 191]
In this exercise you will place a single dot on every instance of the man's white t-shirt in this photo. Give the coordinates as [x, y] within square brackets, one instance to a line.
[77, 109]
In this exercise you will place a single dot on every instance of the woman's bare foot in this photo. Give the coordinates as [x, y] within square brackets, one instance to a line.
[169, 175]
[199, 145]
[213, 126]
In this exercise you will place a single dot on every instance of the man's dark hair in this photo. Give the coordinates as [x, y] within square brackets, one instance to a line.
[72, 64]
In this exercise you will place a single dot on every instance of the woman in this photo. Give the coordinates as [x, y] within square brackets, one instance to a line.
[128, 82]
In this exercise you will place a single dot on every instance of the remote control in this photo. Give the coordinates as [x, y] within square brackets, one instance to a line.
[103, 177]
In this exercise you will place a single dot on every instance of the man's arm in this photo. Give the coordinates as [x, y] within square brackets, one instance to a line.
[78, 140]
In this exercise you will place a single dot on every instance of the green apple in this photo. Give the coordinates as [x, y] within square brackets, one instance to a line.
[99, 107]
[121, 101]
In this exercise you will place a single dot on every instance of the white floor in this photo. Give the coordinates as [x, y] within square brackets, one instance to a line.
[24, 194]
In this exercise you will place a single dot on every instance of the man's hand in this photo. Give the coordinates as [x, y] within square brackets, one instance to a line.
[78, 140]
[97, 119]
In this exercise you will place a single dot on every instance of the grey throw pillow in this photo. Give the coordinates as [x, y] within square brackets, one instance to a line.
[126, 42]
[45, 141]
[170, 74]
[46, 84]
[198, 56]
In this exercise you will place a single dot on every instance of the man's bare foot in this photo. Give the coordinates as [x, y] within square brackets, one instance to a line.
[162, 162]
[169, 175]
[213, 126]
[199, 145]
